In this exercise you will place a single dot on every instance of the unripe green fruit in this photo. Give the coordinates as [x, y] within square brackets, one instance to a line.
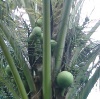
[8, 70]
[53, 44]
[64, 79]
[35, 33]
[39, 22]
[41, 37]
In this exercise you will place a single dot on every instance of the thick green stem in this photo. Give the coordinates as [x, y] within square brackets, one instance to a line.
[13, 69]
[62, 33]
[46, 51]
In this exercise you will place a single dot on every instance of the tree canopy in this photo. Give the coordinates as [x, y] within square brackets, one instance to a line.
[39, 40]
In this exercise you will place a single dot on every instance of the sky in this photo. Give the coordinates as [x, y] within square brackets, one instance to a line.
[91, 9]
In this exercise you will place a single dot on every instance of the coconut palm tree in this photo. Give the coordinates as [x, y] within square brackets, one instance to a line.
[34, 51]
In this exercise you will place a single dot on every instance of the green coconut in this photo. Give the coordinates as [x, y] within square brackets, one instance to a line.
[8, 70]
[35, 33]
[41, 38]
[53, 44]
[64, 79]
[39, 22]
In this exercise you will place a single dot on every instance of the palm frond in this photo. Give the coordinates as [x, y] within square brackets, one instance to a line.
[19, 55]
[89, 85]
[79, 48]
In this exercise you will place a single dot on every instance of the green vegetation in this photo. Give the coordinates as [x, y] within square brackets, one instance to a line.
[48, 55]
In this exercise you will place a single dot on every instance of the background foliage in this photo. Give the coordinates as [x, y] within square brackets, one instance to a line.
[74, 52]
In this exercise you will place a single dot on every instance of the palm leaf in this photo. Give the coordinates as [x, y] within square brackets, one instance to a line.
[89, 85]
[82, 71]
[19, 55]
[86, 38]
[13, 68]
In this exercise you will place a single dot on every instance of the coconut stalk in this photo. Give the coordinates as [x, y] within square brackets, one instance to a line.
[13, 69]
[46, 51]
[19, 55]
[62, 33]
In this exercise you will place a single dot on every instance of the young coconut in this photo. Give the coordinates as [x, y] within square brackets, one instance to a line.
[41, 38]
[8, 70]
[64, 79]
[39, 22]
[35, 33]
[53, 44]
